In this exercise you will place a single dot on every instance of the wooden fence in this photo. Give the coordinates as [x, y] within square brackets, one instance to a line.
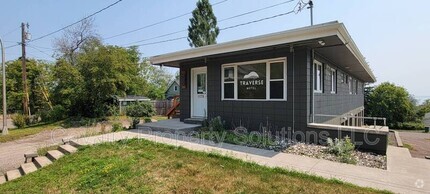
[162, 106]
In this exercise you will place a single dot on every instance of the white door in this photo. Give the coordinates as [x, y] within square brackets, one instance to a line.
[199, 100]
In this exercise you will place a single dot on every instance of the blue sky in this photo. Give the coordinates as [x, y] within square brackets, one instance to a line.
[392, 35]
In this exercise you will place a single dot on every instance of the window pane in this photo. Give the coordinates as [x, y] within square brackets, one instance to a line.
[252, 81]
[229, 90]
[229, 74]
[277, 70]
[277, 90]
[201, 83]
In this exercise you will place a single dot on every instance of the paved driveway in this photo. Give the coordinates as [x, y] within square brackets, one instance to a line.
[12, 153]
[419, 141]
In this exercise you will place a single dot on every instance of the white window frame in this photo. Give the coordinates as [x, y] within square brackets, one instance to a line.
[356, 87]
[333, 80]
[175, 88]
[319, 85]
[268, 62]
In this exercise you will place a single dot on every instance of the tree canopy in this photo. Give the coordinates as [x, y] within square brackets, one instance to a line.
[390, 101]
[203, 29]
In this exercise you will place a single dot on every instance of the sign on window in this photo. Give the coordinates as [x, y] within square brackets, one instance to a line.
[252, 81]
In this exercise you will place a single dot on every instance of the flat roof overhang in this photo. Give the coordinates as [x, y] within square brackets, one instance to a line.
[339, 48]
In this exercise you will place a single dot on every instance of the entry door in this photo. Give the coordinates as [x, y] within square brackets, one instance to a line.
[199, 100]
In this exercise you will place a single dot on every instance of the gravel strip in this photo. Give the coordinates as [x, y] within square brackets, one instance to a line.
[320, 152]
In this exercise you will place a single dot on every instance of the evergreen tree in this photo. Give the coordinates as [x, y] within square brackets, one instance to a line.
[203, 28]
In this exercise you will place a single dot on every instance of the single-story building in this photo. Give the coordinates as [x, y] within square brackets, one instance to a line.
[124, 101]
[172, 89]
[308, 81]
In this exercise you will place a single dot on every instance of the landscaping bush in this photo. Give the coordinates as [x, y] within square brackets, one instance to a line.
[342, 148]
[20, 120]
[138, 110]
[147, 119]
[57, 113]
[117, 127]
[217, 124]
[408, 126]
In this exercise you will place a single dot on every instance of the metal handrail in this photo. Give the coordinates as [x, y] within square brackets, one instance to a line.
[347, 117]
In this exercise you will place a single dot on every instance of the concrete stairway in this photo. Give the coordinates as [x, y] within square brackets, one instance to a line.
[38, 162]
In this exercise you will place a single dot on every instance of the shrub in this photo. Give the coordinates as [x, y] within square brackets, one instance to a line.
[138, 110]
[147, 119]
[57, 113]
[408, 126]
[117, 127]
[20, 120]
[217, 124]
[342, 148]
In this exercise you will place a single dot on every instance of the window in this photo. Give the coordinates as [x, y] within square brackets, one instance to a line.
[201, 83]
[333, 80]
[342, 77]
[356, 87]
[175, 88]
[255, 80]
[229, 82]
[349, 81]
[318, 77]
[277, 80]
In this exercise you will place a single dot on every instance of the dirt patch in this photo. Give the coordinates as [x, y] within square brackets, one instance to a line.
[418, 141]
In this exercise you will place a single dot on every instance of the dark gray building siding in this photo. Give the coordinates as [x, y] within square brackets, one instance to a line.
[279, 114]
[253, 114]
[340, 102]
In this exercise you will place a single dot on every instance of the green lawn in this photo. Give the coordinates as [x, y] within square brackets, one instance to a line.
[140, 166]
[15, 134]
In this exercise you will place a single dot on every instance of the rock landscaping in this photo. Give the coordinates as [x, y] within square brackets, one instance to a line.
[321, 152]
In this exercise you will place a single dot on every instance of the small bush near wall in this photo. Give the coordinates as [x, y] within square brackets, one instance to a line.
[138, 110]
[342, 148]
[216, 124]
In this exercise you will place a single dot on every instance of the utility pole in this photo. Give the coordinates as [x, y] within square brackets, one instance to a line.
[3, 58]
[25, 99]
[311, 7]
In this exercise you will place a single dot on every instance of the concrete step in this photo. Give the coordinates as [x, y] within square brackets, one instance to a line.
[42, 161]
[13, 174]
[54, 155]
[28, 168]
[198, 121]
[67, 149]
[2, 179]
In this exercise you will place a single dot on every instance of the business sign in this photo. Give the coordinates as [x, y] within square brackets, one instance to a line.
[252, 81]
[427, 120]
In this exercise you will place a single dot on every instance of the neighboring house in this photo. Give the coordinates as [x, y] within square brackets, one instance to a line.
[172, 89]
[308, 80]
[123, 102]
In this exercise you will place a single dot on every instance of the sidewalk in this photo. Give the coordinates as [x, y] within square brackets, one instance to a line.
[404, 175]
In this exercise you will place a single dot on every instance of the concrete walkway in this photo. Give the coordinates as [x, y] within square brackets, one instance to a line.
[404, 174]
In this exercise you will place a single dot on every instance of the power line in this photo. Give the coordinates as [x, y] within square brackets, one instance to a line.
[257, 10]
[93, 14]
[234, 26]
[10, 32]
[222, 20]
[40, 51]
[157, 23]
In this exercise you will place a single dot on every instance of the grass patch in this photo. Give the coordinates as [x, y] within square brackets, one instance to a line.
[140, 166]
[247, 139]
[44, 150]
[159, 117]
[15, 134]
[409, 146]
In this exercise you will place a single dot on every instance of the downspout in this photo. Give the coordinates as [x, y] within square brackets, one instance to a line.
[313, 84]
[294, 88]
